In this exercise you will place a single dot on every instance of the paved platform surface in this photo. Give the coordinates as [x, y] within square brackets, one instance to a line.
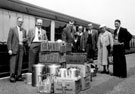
[101, 84]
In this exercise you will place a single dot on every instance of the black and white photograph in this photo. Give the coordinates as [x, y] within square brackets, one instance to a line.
[67, 47]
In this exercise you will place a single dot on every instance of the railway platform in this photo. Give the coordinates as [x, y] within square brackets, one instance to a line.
[101, 84]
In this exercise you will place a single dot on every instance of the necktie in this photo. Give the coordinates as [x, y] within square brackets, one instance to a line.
[39, 35]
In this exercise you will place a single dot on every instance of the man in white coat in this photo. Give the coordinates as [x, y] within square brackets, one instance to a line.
[105, 41]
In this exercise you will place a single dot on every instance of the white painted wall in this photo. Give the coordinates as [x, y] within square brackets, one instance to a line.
[8, 20]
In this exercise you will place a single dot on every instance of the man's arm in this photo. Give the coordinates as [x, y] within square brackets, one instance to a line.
[64, 35]
[9, 41]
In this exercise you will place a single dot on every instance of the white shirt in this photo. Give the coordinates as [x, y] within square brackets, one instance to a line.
[20, 33]
[90, 31]
[36, 38]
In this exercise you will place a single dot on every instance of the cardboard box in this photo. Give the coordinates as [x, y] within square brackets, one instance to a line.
[85, 83]
[51, 57]
[76, 58]
[84, 68]
[64, 86]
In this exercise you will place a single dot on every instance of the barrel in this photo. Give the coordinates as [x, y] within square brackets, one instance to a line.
[37, 71]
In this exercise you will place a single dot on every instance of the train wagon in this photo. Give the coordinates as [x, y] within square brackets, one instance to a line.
[53, 23]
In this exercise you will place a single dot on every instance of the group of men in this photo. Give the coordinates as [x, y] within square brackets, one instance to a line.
[103, 42]
[17, 39]
[90, 41]
[81, 41]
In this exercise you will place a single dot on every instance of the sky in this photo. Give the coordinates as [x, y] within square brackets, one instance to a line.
[97, 11]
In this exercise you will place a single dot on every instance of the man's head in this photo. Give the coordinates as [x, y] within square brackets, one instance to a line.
[90, 26]
[71, 24]
[19, 21]
[117, 23]
[80, 28]
[39, 23]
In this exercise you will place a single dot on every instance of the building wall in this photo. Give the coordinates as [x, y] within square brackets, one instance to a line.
[8, 20]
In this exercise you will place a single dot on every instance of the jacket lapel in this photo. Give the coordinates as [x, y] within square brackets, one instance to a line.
[16, 32]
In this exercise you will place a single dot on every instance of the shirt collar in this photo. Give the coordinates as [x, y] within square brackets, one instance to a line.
[38, 29]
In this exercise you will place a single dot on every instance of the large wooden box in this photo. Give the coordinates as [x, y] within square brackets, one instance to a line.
[76, 58]
[53, 46]
[67, 86]
[85, 83]
[51, 57]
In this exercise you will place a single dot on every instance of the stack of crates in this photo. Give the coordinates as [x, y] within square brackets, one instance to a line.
[80, 60]
[52, 52]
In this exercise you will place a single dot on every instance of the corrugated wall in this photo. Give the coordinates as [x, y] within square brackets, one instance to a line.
[8, 20]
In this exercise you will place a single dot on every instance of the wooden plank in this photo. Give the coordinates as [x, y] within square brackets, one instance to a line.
[6, 25]
[26, 22]
[31, 22]
[1, 25]
[12, 18]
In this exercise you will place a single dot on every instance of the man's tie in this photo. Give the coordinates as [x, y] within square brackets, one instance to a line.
[39, 35]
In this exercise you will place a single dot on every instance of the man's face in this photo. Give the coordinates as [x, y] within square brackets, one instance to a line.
[20, 22]
[117, 25]
[80, 29]
[90, 26]
[39, 23]
[71, 24]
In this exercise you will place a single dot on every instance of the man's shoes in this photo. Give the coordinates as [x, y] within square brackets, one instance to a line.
[12, 78]
[122, 76]
[103, 71]
[107, 72]
[19, 78]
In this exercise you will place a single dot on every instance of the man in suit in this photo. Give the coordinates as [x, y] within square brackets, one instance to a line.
[121, 42]
[15, 44]
[68, 33]
[90, 42]
[35, 37]
[78, 41]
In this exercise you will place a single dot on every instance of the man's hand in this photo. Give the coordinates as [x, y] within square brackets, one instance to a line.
[10, 52]
[83, 49]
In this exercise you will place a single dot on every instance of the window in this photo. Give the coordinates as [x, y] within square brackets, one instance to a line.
[47, 26]
[59, 26]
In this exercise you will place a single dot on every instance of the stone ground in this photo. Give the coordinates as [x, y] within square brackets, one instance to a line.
[101, 84]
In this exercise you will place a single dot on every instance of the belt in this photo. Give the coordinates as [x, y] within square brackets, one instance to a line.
[36, 42]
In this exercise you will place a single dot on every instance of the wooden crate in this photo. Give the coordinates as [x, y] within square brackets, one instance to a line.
[53, 46]
[51, 57]
[76, 58]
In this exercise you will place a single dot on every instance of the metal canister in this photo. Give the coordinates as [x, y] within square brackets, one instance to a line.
[37, 71]
[53, 69]
[28, 77]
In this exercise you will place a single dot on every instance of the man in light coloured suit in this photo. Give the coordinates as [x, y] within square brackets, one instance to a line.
[35, 37]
